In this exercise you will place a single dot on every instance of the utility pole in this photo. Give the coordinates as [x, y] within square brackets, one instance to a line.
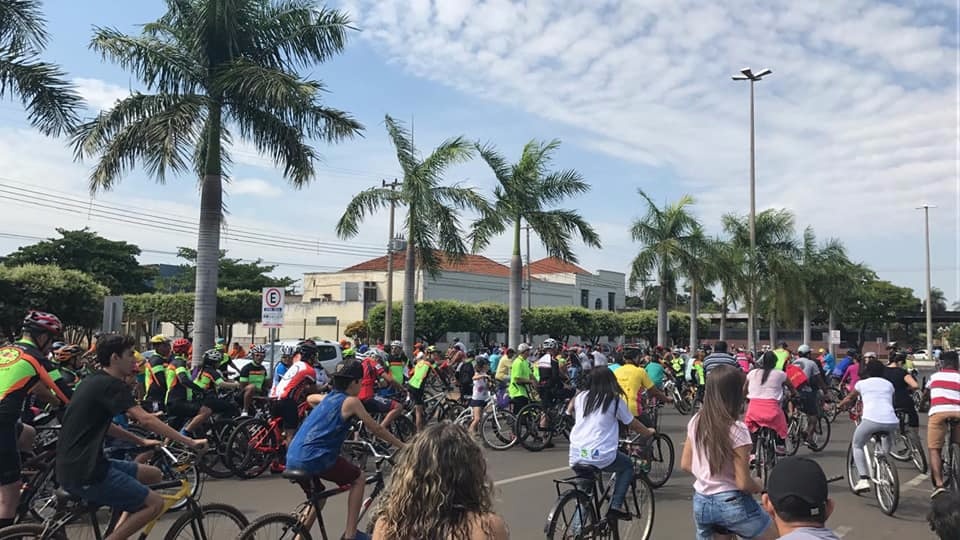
[529, 272]
[929, 311]
[388, 316]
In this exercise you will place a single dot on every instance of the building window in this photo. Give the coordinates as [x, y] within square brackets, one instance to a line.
[585, 298]
[327, 297]
[611, 301]
[370, 292]
[598, 304]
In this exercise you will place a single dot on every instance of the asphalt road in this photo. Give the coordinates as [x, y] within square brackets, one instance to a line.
[525, 492]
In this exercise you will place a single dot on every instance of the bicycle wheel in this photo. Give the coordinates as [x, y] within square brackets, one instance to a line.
[681, 403]
[661, 460]
[251, 448]
[792, 439]
[821, 434]
[212, 521]
[26, 531]
[214, 462]
[951, 468]
[184, 470]
[765, 456]
[918, 453]
[403, 428]
[530, 434]
[640, 503]
[887, 486]
[900, 447]
[498, 429]
[852, 474]
[831, 397]
[275, 527]
[572, 517]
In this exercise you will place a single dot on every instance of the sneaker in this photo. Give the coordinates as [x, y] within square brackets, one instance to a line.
[615, 514]
[244, 414]
[862, 485]
[277, 468]
[937, 491]
[186, 433]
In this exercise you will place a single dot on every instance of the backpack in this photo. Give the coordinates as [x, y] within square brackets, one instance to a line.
[796, 375]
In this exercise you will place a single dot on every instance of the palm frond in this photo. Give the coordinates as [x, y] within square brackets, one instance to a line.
[490, 224]
[162, 66]
[52, 103]
[366, 202]
[22, 26]
[561, 185]
[451, 152]
[497, 163]
[283, 142]
[294, 33]
[400, 137]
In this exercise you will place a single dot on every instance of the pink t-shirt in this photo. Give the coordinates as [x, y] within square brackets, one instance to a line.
[772, 389]
[709, 484]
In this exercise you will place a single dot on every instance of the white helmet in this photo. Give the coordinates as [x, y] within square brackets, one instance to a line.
[396, 343]
[549, 343]
[803, 349]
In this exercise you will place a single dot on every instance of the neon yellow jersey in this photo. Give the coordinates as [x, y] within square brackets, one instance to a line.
[420, 373]
[519, 370]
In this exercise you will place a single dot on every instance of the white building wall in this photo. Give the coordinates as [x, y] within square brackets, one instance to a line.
[599, 286]
[476, 288]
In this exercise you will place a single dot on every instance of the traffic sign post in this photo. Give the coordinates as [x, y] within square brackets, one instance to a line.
[271, 308]
[834, 337]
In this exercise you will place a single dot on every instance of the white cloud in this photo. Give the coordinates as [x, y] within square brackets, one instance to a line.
[253, 186]
[99, 94]
[857, 121]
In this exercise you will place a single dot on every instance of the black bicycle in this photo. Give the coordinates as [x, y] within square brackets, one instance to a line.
[765, 454]
[950, 457]
[907, 446]
[537, 426]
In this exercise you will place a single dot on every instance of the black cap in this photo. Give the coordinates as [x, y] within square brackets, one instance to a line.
[797, 487]
[349, 369]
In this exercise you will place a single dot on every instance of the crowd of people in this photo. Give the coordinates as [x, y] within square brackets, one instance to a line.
[440, 487]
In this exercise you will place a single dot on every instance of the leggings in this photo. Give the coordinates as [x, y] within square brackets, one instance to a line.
[860, 437]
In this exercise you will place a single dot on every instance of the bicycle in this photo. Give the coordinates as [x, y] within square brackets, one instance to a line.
[255, 443]
[497, 425]
[535, 437]
[907, 446]
[76, 519]
[576, 514]
[765, 454]
[657, 451]
[950, 459]
[279, 526]
[682, 397]
[797, 427]
[883, 475]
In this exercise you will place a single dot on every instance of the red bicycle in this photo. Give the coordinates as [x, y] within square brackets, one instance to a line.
[257, 442]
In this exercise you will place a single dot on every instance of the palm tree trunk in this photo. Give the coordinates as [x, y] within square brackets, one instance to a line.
[516, 274]
[208, 243]
[773, 328]
[662, 312]
[694, 313]
[723, 318]
[806, 324]
[409, 292]
[831, 324]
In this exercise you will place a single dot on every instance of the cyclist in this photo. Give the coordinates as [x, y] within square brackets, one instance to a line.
[594, 439]
[764, 390]
[944, 404]
[286, 360]
[521, 377]
[634, 380]
[298, 381]
[23, 370]
[57, 370]
[503, 369]
[373, 374]
[878, 416]
[415, 384]
[209, 379]
[81, 467]
[180, 399]
[316, 447]
[783, 355]
[253, 377]
[654, 370]
[841, 367]
[549, 380]
[68, 357]
[155, 380]
[719, 357]
[807, 386]
[398, 361]
[226, 361]
[798, 500]
[903, 386]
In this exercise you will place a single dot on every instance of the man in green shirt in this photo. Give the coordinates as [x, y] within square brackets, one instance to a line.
[415, 384]
[783, 355]
[521, 375]
[253, 377]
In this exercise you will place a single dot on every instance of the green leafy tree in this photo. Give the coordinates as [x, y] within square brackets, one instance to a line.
[376, 320]
[433, 211]
[937, 299]
[237, 307]
[593, 325]
[490, 320]
[525, 192]
[112, 263]
[234, 274]
[51, 101]
[669, 237]
[72, 295]
[640, 324]
[154, 308]
[217, 70]
[357, 330]
[876, 303]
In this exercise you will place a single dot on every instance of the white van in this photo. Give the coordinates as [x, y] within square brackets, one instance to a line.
[329, 355]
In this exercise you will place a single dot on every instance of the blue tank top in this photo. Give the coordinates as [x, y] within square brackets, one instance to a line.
[317, 444]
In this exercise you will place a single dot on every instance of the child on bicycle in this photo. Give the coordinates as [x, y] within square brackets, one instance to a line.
[878, 416]
[316, 447]
[481, 392]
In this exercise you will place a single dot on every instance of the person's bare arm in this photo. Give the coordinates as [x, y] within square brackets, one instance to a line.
[911, 382]
[118, 432]
[352, 406]
[155, 425]
[686, 457]
[741, 470]
[847, 401]
[42, 393]
[637, 427]
[496, 529]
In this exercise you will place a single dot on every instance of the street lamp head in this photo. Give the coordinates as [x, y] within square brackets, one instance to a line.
[763, 73]
[749, 75]
[740, 78]
[747, 72]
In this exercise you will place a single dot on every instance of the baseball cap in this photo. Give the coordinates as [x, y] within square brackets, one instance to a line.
[349, 369]
[803, 348]
[159, 338]
[523, 347]
[798, 488]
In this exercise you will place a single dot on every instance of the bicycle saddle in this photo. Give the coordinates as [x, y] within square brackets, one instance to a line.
[587, 471]
[297, 475]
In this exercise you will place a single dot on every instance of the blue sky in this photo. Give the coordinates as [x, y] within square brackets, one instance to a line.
[856, 127]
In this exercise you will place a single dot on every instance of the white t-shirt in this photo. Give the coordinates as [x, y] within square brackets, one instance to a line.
[594, 438]
[599, 359]
[585, 361]
[772, 389]
[544, 361]
[877, 396]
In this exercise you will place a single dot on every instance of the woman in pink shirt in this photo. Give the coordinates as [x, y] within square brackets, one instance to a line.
[717, 453]
[764, 389]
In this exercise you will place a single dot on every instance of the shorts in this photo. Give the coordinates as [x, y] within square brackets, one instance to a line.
[809, 402]
[734, 512]
[10, 454]
[183, 409]
[286, 409]
[519, 403]
[478, 403]
[937, 429]
[379, 405]
[416, 395]
[221, 407]
[120, 489]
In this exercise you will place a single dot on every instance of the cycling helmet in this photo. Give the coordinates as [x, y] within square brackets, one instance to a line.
[396, 343]
[57, 345]
[378, 354]
[181, 346]
[852, 352]
[258, 349]
[307, 350]
[68, 352]
[212, 357]
[803, 349]
[871, 355]
[352, 353]
[549, 343]
[287, 350]
[39, 321]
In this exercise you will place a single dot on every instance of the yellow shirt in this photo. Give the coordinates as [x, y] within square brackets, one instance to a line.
[503, 369]
[632, 380]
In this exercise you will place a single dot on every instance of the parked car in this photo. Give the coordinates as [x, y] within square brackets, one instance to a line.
[329, 355]
[920, 354]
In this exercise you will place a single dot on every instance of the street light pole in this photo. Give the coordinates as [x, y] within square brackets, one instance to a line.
[388, 315]
[748, 75]
[929, 311]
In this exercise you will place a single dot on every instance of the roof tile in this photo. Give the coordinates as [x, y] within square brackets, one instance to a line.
[469, 264]
[552, 265]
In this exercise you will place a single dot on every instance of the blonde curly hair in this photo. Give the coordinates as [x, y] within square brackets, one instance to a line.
[438, 488]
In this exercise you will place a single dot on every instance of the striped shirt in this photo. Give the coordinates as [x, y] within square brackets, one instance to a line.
[944, 392]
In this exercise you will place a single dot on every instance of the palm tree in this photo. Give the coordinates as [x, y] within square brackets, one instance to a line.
[700, 271]
[525, 189]
[729, 265]
[51, 101]
[433, 211]
[775, 267]
[217, 67]
[818, 265]
[669, 236]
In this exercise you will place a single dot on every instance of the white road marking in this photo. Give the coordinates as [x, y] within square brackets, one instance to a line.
[915, 481]
[531, 475]
[842, 531]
